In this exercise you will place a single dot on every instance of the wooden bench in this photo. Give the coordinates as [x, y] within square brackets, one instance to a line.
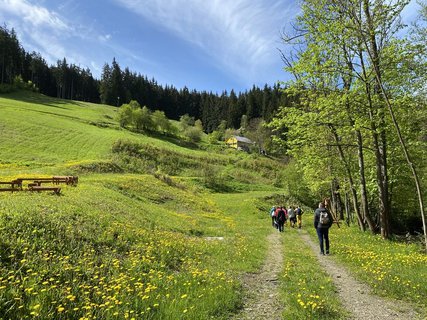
[13, 183]
[36, 184]
[10, 189]
[56, 190]
[69, 180]
[73, 180]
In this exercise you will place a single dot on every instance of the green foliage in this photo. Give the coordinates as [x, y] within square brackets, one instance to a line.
[214, 179]
[161, 123]
[193, 134]
[134, 117]
[125, 115]
[198, 124]
[142, 119]
[18, 84]
[96, 167]
[340, 114]
[214, 137]
[186, 121]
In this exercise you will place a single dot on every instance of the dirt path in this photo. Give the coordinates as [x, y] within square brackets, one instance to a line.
[356, 297]
[261, 301]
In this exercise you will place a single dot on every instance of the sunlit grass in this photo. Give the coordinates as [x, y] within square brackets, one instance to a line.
[307, 290]
[390, 268]
[146, 244]
[101, 253]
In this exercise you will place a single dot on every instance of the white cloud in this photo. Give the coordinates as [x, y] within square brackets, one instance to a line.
[34, 15]
[240, 35]
[38, 28]
[104, 38]
[46, 31]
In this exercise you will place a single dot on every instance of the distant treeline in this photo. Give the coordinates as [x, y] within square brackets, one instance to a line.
[117, 87]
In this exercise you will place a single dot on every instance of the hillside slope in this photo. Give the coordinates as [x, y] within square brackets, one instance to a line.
[158, 228]
[140, 235]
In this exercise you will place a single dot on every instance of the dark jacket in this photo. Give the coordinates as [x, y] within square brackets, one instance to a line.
[281, 216]
[317, 218]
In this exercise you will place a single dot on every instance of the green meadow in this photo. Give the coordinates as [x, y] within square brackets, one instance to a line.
[151, 230]
[156, 228]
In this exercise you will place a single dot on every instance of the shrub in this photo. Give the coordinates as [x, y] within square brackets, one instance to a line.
[193, 134]
[6, 88]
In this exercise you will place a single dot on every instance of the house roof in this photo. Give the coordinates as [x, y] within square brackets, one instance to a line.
[243, 139]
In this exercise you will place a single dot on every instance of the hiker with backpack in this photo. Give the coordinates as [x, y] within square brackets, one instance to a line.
[281, 218]
[322, 222]
[299, 213]
[273, 216]
[292, 216]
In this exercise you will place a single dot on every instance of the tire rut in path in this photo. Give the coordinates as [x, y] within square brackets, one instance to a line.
[356, 297]
[261, 289]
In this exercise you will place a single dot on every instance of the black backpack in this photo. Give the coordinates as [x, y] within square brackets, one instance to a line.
[281, 216]
[324, 219]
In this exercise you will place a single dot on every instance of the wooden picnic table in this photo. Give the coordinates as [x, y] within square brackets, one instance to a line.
[36, 184]
[55, 179]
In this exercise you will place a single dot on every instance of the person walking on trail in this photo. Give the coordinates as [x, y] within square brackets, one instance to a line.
[273, 216]
[292, 216]
[322, 222]
[299, 212]
[281, 218]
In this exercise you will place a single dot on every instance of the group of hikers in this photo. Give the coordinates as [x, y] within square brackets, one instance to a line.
[323, 220]
[280, 215]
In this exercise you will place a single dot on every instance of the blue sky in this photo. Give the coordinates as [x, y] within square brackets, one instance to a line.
[211, 45]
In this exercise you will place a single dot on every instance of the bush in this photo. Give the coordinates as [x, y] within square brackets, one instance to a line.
[193, 134]
[6, 88]
[215, 136]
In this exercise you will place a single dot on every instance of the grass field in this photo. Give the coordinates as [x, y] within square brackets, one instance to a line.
[155, 229]
[146, 238]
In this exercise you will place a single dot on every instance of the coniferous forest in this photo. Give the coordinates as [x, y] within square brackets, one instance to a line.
[119, 86]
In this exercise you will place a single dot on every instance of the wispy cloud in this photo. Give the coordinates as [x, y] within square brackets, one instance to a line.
[239, 35]
[104, 38]
[34, 15]
[46, 31]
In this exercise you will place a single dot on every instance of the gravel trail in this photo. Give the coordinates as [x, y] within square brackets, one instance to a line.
[261, 301]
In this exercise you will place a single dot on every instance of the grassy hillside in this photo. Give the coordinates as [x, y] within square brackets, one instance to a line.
[156, 228]
[140, 236]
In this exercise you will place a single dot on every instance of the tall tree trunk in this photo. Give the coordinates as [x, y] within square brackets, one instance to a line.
[385, 199]
[337, 199]
[374, 57]
[350, 178]
[363, 193]
[381, 169]
[372, 48]
[347, 209]
[381, 180]
[364, 199]
[411, 166]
